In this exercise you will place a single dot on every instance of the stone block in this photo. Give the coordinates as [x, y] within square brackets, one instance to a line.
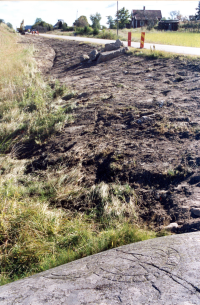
[109, 55]
[93, 55]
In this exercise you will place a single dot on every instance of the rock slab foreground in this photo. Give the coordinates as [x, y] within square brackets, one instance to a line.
[165, 270]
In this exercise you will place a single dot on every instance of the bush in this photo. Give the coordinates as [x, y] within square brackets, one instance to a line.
[64, 27]
[88, 30]
[95, 31]
[67, 28]
[79, 31]
[70, 28]
[107, 35]
[191, 26]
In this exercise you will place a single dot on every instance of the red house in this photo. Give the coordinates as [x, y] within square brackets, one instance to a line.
[145, 17]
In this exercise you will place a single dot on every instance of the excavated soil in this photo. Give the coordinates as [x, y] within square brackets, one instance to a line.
[137, 121]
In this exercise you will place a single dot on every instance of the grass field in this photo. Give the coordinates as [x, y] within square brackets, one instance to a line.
[163, 37]
[34, 235]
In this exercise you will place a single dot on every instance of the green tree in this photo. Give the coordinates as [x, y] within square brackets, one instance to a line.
[37, 20]
[198, 11]
[110, 22]
[2, 21]
[9, 25]
[43, 24]
[95, 21]
[123, 17]
[81, 22]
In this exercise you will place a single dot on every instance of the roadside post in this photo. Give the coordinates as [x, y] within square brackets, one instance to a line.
[142, 40]
[129, 39]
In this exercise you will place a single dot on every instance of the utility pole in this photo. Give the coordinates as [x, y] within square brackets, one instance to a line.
[117, 19]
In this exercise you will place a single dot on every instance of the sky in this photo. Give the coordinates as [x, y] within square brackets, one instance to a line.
[50, 11]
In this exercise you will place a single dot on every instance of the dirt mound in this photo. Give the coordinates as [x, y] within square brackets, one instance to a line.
[136, 122]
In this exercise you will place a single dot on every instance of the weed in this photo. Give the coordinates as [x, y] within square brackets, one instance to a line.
[171, 173]
[59, 90]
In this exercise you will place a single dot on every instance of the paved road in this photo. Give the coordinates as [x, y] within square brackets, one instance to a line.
[160, 47]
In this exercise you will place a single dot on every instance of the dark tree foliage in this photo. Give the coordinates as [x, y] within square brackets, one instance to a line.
[198, 11]
[111, 22]
[43, 24]
[38, 20]
[9, 25]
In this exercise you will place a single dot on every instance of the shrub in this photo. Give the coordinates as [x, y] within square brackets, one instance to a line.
[70, 28]
[79, 31]
[107, 35]
[82, 31]
[64, 27]
[88, 30]
[95, 31]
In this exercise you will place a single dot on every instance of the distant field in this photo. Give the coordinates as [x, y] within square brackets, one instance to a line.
[168, 38]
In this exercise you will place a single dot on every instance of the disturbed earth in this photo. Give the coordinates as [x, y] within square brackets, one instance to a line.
[136, 121]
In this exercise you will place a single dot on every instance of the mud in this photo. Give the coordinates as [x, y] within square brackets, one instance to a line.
[137, 122]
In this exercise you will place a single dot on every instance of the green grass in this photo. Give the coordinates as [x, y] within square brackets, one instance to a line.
[27, 103]
[155, 54]
[177, 38]
[171, 38]
[35, 237]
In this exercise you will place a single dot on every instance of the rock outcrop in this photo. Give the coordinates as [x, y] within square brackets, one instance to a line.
[159, 271]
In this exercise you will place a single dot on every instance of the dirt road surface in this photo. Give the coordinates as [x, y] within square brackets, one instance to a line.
[137, 122]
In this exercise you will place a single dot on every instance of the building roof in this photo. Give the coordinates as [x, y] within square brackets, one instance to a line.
[146, 14]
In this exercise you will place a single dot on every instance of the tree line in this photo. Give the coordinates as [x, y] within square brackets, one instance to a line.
[121, 19]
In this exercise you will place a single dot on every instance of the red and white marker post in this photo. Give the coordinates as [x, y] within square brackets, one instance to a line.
[129, 39]
[142, 40]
